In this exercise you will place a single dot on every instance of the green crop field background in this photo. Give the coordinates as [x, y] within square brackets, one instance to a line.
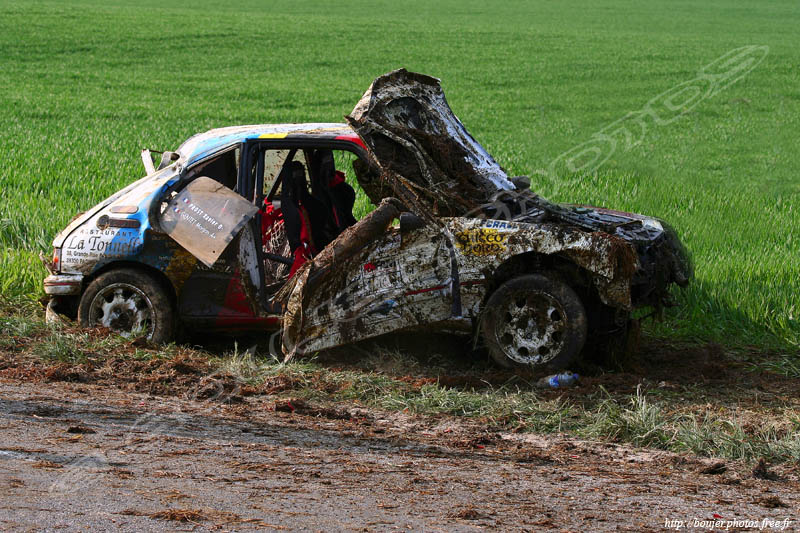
[85, 85]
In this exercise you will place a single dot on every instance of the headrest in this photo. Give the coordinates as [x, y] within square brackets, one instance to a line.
[323, 162]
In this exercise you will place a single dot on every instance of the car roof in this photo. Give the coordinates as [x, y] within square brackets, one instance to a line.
[202, 145]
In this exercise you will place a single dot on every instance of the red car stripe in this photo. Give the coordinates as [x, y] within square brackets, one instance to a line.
[353, 139]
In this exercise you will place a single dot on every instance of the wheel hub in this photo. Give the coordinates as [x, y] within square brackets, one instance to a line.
[123, 308]
[531, 327]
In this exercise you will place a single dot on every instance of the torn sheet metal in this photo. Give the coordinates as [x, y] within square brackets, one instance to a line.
[398, 281]
[337, 257]
[204, 217]
[411, 131]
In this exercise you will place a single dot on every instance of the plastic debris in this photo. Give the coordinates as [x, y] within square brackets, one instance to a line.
[559, 381]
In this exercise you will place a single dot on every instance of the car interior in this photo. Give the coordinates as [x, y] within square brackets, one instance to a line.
[307, 204]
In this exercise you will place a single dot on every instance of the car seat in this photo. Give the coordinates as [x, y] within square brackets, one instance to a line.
[303, 215]
[331, 190]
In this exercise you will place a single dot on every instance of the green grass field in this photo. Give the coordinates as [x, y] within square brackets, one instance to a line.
[86, 85]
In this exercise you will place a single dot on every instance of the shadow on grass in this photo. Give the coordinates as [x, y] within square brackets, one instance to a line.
[450, 361]
[701, 316]
[676, 395]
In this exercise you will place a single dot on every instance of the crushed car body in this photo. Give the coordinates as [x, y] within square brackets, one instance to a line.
[251, 228]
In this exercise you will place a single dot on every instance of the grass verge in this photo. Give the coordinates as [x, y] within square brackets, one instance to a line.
[744, 414]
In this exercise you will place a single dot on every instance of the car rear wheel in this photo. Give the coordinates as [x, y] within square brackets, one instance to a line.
[129, 302]
[534, 321]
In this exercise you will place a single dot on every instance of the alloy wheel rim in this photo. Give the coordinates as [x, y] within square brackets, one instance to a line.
[123, 308]
[531, 327]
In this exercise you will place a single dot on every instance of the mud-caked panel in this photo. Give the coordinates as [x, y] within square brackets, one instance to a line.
[483, 245]
[400, 282]
[205, 217]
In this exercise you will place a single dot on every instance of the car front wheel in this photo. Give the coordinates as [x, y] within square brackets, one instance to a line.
[534, 321]
[129, 302]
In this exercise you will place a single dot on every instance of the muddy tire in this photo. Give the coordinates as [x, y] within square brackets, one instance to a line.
[534, 322]
[129, 302]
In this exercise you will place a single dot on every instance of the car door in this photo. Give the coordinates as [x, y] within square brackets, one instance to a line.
[215, 225]
[400, 280]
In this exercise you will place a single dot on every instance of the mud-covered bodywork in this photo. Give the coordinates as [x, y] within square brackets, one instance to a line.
[450, 227]
[404, 279]
[479, 226]
[135, 228]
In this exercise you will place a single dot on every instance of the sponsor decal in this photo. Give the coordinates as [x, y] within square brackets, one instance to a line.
[481, 241]
[89, 244]
[499, 224]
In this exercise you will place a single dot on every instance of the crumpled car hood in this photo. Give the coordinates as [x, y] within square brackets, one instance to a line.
[412, 133]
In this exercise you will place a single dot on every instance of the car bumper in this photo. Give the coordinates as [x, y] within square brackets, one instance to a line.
[63, 284]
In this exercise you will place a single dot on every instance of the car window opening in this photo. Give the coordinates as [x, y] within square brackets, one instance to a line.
[224, 169]
[307, 204]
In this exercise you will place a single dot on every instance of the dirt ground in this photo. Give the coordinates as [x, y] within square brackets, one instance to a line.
[100, 454]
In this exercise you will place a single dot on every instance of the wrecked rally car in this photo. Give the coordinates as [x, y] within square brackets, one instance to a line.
[252, 228]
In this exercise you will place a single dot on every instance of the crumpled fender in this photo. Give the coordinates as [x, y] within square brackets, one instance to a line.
[486, 244]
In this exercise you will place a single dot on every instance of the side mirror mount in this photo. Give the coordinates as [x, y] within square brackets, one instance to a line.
[166, 159]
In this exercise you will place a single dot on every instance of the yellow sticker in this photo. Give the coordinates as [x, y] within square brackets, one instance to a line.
[272, 135]
[481, 241]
